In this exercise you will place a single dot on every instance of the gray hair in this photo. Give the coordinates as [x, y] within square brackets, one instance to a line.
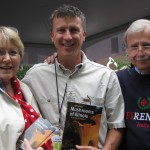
[11, 35]
[68, 11]
[137, 26]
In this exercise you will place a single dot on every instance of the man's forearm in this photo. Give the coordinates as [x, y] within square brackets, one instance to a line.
[113, 139]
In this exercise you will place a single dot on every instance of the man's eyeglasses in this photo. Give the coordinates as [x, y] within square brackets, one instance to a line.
[134, 49]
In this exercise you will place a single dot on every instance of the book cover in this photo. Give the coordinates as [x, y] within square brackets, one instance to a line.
[39, 132]
[82, 125]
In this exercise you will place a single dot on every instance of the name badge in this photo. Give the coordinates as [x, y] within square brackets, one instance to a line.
[57, 142]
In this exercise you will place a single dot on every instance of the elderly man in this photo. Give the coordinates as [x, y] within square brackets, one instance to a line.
[135, 84]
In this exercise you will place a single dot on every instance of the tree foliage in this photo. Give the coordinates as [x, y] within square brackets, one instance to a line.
[123, 63]
[22, 71]
[120, 63]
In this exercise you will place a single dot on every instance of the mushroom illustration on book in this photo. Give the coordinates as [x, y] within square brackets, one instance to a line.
[81, 126]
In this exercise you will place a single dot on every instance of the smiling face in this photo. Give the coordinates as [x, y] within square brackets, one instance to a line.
[139, 42]
[9, 60]
[68, 35]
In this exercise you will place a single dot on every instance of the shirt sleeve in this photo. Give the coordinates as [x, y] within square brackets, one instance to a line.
[114, 103]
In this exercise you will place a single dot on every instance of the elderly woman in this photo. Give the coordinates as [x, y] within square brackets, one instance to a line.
[18, 109]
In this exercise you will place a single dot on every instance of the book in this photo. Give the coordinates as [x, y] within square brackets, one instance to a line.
[39, 132]
[82, 125]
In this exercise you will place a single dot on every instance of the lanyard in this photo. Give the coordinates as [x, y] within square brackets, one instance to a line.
[59, 105]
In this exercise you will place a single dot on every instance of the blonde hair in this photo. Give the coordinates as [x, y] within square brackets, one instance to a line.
[11, 35]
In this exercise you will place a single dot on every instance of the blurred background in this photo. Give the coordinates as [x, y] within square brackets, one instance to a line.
[106, 22]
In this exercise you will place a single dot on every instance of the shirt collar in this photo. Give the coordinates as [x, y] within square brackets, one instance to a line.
[77, 67]
[139, 72]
